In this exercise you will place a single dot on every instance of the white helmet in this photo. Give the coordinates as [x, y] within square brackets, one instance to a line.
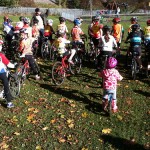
[50, 22]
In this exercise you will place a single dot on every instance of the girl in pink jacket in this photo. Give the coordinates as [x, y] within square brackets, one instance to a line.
[110, 77]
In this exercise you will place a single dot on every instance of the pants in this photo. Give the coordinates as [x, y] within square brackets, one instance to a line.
[5, 83]
[108, 91]
[32, 64]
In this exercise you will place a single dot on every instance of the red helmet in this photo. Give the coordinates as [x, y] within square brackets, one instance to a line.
[148, 22]
[116, 20]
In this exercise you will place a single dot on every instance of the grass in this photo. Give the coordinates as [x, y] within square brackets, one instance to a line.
[70, 116]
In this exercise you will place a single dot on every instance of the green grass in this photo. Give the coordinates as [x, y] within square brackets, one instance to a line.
[70, 117]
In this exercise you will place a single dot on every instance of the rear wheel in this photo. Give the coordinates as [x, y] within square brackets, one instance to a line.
[45, 50]
[58, 73]
[76, 67]
[134, 69]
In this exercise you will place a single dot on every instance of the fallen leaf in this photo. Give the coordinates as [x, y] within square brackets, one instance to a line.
[84, 148]
[16, 133]
[71, 125]
[126, 86]
[38, 147]
[61, 140]
[27, 102]
[31, 109]
[53, 121]
[106, 131]
[45, 128]
[69, 121]
[119, 117]
[84, 115]
[30, 117]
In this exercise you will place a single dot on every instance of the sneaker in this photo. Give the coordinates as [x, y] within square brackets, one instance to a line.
[10, 105]
[71, 62]
[114, 110]
[104, 105]
[37, 77]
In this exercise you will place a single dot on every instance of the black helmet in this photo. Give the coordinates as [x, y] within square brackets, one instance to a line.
[106, 28]
[35, 20]
[21, 18]
[94, 18]
[135, 27]
[37, 10]
[134, 19]
[62, 19]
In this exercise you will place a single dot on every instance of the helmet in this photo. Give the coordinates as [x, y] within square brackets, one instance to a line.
[111, 62]
[62, 19]
[133, 19]
[135, 27]
[35, 20]
[116, 20]
[26, 20]
[5, 17]
[148, 22]
[37, 9]
[106, 28]
[95, 18]
[50, 21]
[77, 22]
[21, 18]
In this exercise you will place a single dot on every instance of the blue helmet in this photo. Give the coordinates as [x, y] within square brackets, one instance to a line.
[77, 22]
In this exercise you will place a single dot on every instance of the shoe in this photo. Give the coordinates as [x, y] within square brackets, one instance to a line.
[71, 62]
[10, 105]
[114, 110]
[37, 77]
[104, 105]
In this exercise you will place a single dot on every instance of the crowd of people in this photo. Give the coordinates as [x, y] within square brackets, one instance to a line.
[101, 35]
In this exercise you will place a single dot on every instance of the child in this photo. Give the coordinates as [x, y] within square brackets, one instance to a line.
[25, 48]
[117, 31]
[110, 76]
[4, 62]
[60, 44]
[35, 29]
[48, 30]
[62, 26]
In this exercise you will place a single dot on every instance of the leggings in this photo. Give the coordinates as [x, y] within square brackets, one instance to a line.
[5, 83]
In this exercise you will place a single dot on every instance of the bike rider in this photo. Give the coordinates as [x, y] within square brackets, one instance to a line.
[95, 30]
[117, 31]
[76, 34]
[26, 50]
[107, 42]
[4, 62]
[136, 38]
[62, 26]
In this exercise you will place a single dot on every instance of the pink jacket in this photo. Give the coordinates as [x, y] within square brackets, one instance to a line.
[110, 77]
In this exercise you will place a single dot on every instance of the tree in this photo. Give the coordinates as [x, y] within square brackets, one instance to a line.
[8, 3]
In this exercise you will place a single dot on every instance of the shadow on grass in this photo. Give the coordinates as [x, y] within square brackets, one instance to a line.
[147, 94]
[76, 95]
[122, 144]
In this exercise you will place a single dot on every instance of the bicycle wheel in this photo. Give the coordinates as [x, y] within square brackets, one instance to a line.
[45, 50]
[14, 85]
[134, 69]
[76, 67]
[58, 73]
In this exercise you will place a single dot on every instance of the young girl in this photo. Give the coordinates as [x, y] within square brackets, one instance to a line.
[110, 76]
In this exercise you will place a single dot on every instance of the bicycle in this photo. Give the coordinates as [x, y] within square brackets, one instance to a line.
[46, 48]
[23, 70]
[14, 85]
[60, 68]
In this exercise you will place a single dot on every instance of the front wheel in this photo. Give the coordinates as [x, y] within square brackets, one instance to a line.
[14, 85]
[58, 73]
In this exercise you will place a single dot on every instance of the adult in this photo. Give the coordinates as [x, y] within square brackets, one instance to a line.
[42, 18]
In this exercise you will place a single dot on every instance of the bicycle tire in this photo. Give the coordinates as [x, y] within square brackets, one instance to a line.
[134, 69]
[58, 73]
[14, 85]
[45, 50]
[76, 67]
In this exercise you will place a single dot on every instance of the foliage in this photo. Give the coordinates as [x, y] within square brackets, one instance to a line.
[27, 3]
[8, 3]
